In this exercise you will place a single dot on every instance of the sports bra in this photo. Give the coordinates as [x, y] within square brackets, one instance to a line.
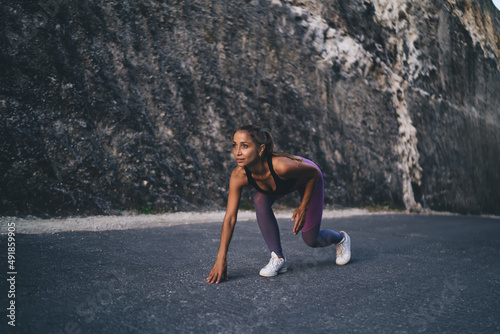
[282, 186]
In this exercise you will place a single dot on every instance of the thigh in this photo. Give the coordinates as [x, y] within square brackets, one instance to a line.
[263, 201]
[315, 211]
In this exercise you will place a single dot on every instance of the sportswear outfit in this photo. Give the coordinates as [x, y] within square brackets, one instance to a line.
[312, 235]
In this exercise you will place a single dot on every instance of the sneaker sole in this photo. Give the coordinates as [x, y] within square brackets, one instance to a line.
[281, 271]
[343, 263]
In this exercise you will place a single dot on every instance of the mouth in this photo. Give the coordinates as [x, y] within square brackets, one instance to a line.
[239, 160]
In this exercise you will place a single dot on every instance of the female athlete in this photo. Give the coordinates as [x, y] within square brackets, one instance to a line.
[274, 175]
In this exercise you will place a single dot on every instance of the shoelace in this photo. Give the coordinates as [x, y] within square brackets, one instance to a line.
[275, 262]
[342, 248]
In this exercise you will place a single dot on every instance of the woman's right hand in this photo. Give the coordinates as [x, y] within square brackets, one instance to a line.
[218, 273]
[237, 181]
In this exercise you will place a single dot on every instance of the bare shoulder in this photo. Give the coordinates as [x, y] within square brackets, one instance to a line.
[239, 177]
[283, 165]
[292, 169]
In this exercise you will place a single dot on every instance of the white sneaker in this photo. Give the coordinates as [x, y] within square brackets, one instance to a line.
[275, 266]
[343, 249]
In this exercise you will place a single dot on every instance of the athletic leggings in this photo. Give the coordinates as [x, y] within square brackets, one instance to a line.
[311, 233]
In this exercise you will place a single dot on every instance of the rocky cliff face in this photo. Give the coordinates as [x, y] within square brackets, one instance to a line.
[111, 105]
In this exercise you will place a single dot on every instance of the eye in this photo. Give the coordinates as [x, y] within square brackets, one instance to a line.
[245, 146]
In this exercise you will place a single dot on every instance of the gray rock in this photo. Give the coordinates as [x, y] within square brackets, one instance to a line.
[109, 106]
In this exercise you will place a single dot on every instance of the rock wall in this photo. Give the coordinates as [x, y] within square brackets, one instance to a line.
[119, 105]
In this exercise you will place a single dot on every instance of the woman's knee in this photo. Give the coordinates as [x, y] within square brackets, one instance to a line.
[313, 244]
[311, 240]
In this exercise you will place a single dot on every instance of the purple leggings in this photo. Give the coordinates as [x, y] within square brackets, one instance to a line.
[311, 233]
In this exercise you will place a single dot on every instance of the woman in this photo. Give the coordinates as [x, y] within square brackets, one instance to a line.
[274, 175]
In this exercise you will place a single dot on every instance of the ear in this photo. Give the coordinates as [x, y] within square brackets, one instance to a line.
[261, 149]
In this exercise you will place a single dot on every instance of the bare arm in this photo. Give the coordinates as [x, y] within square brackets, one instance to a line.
[291, 169]
[236, 183]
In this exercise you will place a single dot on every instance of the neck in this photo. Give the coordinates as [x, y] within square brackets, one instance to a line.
[259, 167]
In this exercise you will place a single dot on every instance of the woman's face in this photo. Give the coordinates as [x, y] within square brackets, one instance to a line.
[244, 149]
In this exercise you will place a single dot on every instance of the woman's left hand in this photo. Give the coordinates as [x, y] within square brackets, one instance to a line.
[299, 216]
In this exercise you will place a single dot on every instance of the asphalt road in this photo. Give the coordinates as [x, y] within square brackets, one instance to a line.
[408, 274]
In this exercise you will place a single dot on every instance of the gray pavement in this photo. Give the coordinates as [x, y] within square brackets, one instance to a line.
[408, 274]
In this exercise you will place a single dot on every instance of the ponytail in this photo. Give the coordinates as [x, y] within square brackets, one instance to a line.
[263, 137]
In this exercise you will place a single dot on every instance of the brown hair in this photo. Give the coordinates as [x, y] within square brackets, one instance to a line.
[263, 137]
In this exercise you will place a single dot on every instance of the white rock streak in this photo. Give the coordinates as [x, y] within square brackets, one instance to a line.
[391, 14]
